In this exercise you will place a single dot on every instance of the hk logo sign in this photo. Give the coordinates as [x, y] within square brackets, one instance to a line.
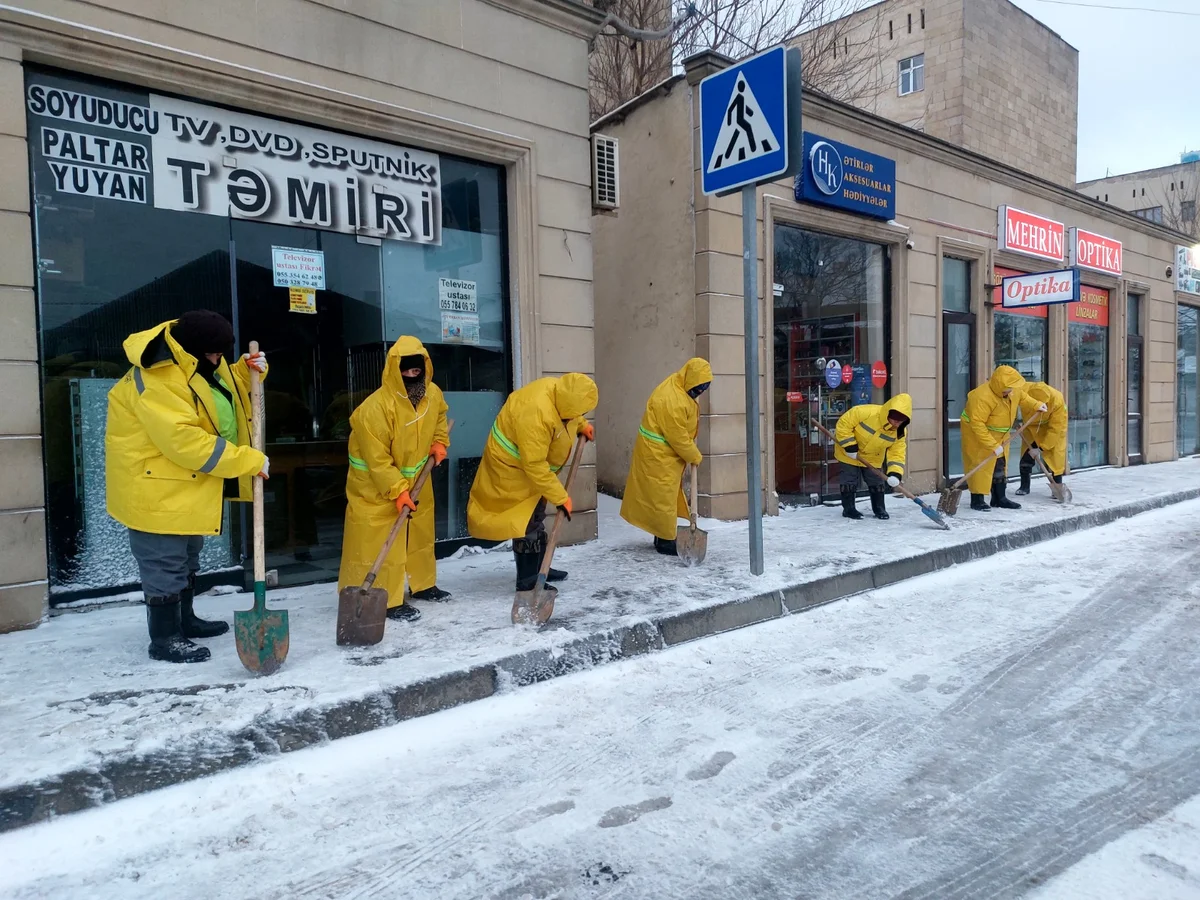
[826, 165]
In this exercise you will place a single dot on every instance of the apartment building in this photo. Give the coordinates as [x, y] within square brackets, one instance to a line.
[1166, 195]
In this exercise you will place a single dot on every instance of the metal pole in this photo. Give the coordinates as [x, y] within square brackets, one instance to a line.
[753, 441]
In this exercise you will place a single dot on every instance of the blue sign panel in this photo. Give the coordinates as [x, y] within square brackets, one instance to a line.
[836, 174]
[743, 123]
[833, 373]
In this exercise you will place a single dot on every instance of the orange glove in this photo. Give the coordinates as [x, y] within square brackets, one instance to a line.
[566, 508]
[438, 452]
[404, 500]
[588, 431]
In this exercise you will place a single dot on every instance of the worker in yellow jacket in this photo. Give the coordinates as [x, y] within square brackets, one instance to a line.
[872, 434]
[530, 441]
[987, 420]
[176, 447]
[392, 433]
[1047, 436]
[665, 443]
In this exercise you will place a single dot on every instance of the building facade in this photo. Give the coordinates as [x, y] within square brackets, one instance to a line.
[981, 74]
[890, 287]
[328, 179]
[1167, 195]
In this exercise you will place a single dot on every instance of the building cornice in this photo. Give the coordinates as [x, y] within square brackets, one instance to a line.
[571, 16]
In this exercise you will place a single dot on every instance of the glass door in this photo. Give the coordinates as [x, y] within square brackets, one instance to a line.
[958, 366]
[1187, 418]
[1133, 404]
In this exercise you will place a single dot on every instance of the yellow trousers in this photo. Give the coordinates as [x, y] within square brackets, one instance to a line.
[418, 539]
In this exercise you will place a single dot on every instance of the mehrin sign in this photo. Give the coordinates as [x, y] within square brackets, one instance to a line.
[1033, 235]
[1040, 289]
[1094, 251]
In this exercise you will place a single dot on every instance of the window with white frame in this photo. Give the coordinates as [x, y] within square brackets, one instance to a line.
[912, 74]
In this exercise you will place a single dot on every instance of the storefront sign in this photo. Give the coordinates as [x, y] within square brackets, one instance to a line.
[1187, 269]
[455, 295]
[879, 374]
[795, 396]
[833, 373]
[847, 373]
[1040, 289]
[1092, 308]
[1022, 232]
[302, 300]
[175, 154]
[1094, 251]
[836, 174]
[298, 268]
[460, 328]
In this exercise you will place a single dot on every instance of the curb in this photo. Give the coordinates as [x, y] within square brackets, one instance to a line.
[129, 775]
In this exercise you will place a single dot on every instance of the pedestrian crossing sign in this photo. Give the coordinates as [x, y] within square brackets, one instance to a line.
[744, 123]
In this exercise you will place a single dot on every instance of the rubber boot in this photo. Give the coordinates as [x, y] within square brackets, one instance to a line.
[849, 510]
[167, 643]
[527, 552]
[553, 574]
[666, 548]
[979, 503]
[878, 504]
[999, 501]
[1026, 474]
[432, 595]
[405, 612]
[191, 625]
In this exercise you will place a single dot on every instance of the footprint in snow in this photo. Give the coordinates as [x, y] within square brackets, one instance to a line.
[624, 815]
[951, 685]
[914, 685]
[713, 767]
[533, 816]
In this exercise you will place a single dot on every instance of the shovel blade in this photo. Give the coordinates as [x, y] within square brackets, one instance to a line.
[262, 639]
[362, 615]
[948, 503]
[533, 607]
[691, 544]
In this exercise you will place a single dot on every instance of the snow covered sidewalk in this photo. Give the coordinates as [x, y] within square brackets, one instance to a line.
[86, 718]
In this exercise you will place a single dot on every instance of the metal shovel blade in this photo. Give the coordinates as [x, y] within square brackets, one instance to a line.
[362, 615]
[533, 607]
[948, 502]
[261, 636]
[691, 544]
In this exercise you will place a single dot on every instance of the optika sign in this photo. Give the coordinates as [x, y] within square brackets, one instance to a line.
[1094, 251]
[1040, 289]
[1023, 232]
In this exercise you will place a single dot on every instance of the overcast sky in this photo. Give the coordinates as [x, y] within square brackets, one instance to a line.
[1139, 80]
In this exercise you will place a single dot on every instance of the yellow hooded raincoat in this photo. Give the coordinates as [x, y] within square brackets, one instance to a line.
[666, 440]
[987, 420]
[528, 445]
[165, 460]
[878, 444]
[389, 443]
[1049, 432]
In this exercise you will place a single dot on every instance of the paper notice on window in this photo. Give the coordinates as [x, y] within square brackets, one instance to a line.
[457, 296]
[460, 328]
[298, 268]
[302, 300]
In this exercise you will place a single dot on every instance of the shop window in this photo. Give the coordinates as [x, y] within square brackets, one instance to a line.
[912, 74]
[1135, 364]
[958, 357]
[1021, 336]
[1087, 379]
[830, 317]
[1187, 414]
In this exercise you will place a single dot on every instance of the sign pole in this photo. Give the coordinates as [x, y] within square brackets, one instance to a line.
[754, 492]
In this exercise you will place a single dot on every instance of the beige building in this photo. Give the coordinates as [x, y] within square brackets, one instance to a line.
[427, 163]
[899, 298]
[1167, 195]
[981, 74]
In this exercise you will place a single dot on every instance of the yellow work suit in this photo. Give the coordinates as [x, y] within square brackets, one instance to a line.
[666, 441]
[986, 420]
[166, 460]
[529, 442]
[389, 443]
[1049, 431]
[878, 442]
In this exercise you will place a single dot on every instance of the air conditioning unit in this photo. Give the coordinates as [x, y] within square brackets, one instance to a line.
[606, 179]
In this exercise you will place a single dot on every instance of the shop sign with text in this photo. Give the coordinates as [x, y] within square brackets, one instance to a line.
[1187, 269]
[1092, 308]
[837, 174]
[1094, 251]
[1033, 235]
[1040, 289]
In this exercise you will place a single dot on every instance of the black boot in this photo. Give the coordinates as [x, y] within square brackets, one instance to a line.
[405, 612]
[432, 595]
[979, 504]
[553, 574]
[999, 501]
[849, 510]
[192, 626]
[1026, 474]
[167, 643]
[666, 548]
[528, 552]
[878, 505]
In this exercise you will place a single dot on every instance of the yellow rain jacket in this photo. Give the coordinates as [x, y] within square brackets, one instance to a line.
[1049, 432]
[165, 460]
[878, 443]
[665, 442]
[529, 443]
[389, 443]
[986, 421]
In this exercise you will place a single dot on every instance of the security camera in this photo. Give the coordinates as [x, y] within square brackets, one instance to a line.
[1170, 271]
[910, 244]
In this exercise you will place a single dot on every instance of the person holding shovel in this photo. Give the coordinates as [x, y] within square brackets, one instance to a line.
[665, 444]
[392, 434]
[1046, 437]
[987, 420]
[872, 435]
[530, 441]
[176, 447]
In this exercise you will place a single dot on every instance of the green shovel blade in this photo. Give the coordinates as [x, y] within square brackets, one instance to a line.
[261, 635]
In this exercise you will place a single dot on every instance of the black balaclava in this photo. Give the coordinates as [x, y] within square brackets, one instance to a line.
[699, 389]
[415, 386]
[903, 425]
[202, 331]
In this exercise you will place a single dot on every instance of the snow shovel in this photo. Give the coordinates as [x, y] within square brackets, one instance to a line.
[948, 503]
[1061, 492]
[928, 511]
[362, 609]
[691, 543]
[261, 634]
[536, 605]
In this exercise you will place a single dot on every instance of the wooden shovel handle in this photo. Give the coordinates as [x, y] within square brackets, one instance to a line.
[692, 497]
[418, 486]
[958, 485]
[257, 435]
[560, 517]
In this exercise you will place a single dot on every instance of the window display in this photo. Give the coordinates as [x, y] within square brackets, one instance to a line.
[1087, 379]
[1021, 335]
[1187, 417]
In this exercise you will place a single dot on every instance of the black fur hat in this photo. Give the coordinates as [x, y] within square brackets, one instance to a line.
[201, 331]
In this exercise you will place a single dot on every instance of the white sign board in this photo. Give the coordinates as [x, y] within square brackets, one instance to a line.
[460, 328]
[298, 268]
[1040, 289]
[456, 295]
[1187, 269]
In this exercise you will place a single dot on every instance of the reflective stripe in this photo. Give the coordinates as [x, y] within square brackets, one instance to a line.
[895, 465]
[865, 427]
[218, 449]
[504, 442]
[848, 441]
[413, 471]
[356, 463]
[965, 417]
[554, 468]
[137, 380]
[884, 437]
[651, 436]
[999, 429]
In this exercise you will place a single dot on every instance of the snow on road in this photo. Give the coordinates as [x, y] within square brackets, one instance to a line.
[968, 734]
